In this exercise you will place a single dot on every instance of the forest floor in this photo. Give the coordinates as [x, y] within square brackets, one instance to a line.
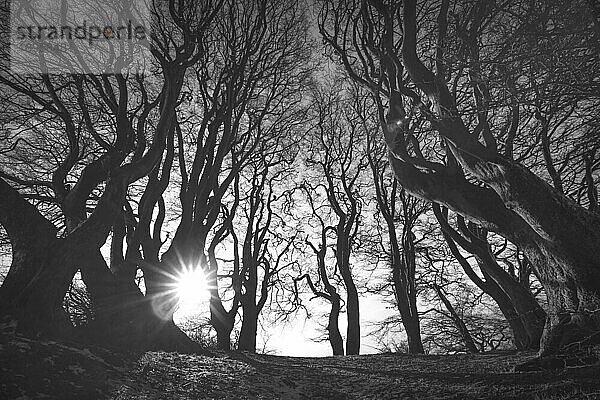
[43, 369]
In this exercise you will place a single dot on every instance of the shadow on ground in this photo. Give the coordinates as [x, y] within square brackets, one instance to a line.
[387, 376]
[42, 369]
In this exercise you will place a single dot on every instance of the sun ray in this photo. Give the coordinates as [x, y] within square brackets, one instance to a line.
[192, 290]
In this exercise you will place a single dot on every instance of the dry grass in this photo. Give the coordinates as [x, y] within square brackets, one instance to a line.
[34, 369]
[387, 376]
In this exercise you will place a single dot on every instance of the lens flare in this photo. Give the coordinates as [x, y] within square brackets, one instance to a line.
[192, 288]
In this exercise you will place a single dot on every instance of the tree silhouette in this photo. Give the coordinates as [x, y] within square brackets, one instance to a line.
[473, 177]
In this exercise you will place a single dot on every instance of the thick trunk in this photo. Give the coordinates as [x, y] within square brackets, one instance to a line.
[134, 326]
[37, 303]
[44, 294]
[335, 337]
[247, 341]
[223, 336]
[221, 320]
[563, 253]
[526, 318]
[41, 274]
[560, 237]
[566, 260]
[573, 325]
[28, 260]
[352, 307]
[521, 339]
[159, 292]
[166, 336]
[352, 304]
[410, 321]
[102, 287]
[42, 268]
[530, 314]
[408, 279]
[412, 327]
[124, 317]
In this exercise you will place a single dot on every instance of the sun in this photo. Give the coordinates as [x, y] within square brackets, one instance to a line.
[192, 290]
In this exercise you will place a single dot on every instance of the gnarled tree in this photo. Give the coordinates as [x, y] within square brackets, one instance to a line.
[517, 303]
[106, 147]
[479, 175]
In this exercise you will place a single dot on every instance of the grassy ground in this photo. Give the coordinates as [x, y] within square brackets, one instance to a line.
[387, 376]
[35, 369]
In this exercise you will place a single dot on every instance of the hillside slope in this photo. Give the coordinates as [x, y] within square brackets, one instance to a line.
[386, 376]
[44, 369]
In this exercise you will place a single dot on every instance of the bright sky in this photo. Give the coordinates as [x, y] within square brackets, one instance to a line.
[293, 338]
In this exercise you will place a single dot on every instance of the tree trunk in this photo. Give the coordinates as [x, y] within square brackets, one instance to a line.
[330, 294]
[558, 236]
[249, 329]
[37, 303]
[408, 311]
[410, 322]
[563, 251]
[529, 312]
[407, 277]
[412, 327]
[35, 250]
[247, 340]
[107, 296]
[460, 324]
[166, 336]
[38, 280]
[353, 332]
[352, 303]
[521, 339]
[574, 321]
[221, 321]
[335, 337]
[516, 303]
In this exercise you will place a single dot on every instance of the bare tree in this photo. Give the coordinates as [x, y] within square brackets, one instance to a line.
[245, 87]
[516, 302]
[455, 317]
[398, 207]
[43, 262]
[328, 293]
[265, 247]
[338, 158]
[474, 178]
